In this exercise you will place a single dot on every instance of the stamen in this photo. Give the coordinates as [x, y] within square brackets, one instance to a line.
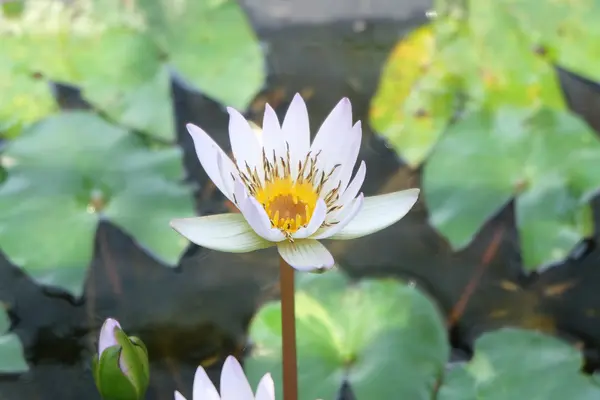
[290, 201]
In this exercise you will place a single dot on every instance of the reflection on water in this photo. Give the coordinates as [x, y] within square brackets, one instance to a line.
[198, 312]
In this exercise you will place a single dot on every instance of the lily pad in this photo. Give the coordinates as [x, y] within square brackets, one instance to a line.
[119, 53]
[25, 98]
[384, 337]
[508, 71]
[123, 76]
[211, 45]
[415, 99]
[69, 170]
[12, 359]
[12, 8]
[519, 364]
[565, 29]
[544, 160]
[459, 64]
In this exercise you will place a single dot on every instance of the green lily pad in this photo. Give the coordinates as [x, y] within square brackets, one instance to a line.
[25, 98]
[123, 76]
[545, 160]
[520, 364]
[69, 170]
[567, 30]
[596, 378]
[13, 8]
[415, 99]
[507, 71]
[12, 359]
[135, 89]
[211, 45]
[126, 75]
[384, 337]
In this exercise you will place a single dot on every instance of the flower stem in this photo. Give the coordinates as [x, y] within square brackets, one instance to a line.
[288, 325]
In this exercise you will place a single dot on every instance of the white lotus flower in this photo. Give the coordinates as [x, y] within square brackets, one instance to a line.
[291, 193]
[234, 385]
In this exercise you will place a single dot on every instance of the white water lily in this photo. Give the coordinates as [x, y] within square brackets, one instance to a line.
[291, 193]
[234, 385]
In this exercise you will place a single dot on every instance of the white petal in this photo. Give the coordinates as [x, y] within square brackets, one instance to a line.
[179, 396]
[350, 154]
[239, 193]
[203, 387]
[266, 388]
[107, 335]
[244, 144]
[296, 132]
[227, 175]
[234, 385]
[354, 187]
[305, 254]
[259, 221]
[272, 135]
[316, 220]
[342, 150]
[256, 215]
[335, 133]
[222, 232]
[258, 133]
[344, 218]
[338, 120]
[207, 150]
[379, 212]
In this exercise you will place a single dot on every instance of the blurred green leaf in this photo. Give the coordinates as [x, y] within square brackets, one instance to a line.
[211, 44]
[480, 59]
[24, 98]
[67, 171]
[415, 99]
[508, 71]
[13, 8]
[125, 78]
[100, 47]
[545, 159]
[519, 364]
[12, 359]
[386, 338]
[596, 378]
[568, 30]
[117, 53]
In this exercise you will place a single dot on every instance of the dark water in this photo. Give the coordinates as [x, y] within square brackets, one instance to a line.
[200, 310]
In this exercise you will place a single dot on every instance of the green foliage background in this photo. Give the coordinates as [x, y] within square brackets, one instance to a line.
[63, 171]
[475, 98]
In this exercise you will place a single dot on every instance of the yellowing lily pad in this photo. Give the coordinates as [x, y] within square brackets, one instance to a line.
[509, 72]
[415, 98]
[69, 170]
[457, 64]
[382, 336]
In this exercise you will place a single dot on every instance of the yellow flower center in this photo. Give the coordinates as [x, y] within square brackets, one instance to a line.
[290, 202]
